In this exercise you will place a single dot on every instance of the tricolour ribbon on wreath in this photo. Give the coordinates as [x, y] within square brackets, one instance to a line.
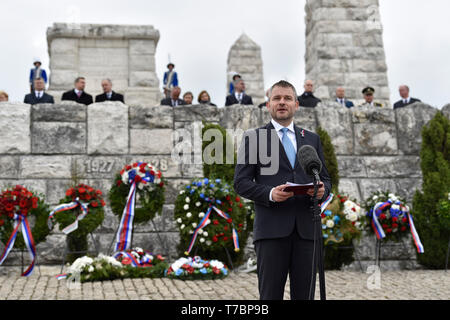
[66, 207]
[327, 201]
[205, 221]
[21, 221]
[378, 229]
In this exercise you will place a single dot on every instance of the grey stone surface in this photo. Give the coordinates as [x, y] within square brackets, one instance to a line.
[58, 137]
[66, 111]
[15, 135]
[151, 117]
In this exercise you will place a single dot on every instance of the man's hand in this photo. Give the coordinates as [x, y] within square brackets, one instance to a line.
[278, 195]
[320, 192]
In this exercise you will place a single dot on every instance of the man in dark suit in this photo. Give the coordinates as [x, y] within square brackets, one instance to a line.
[307, 99]
[174, 99]
[239, 96]
[283, 226]
[340, 98]
[38, 95]
[108, 94]
[77, 94]
[406, 99]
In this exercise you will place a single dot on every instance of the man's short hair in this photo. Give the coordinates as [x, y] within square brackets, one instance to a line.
[39, 78]
[283, 84]
[107, 79]
[79, 78]
[235, 82]
[186, 93]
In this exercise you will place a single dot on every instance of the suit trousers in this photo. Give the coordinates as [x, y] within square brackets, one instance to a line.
[276, 258]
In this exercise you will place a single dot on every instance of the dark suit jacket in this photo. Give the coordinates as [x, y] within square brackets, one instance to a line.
[114, 97]
[348, 103]
[168, 102]
[308, 100]
[31, 98]
[85, 98]
[278, 219]
[400, 104]
[231, 99]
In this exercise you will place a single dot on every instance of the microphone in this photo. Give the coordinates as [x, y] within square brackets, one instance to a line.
[309, 161]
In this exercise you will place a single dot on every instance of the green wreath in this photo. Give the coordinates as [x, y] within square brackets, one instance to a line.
[36, 212]
[149, 195]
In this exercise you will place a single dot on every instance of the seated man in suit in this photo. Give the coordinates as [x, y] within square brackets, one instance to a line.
[340, 98]
[77, 94]
[307, 99]
[406, 99]
[283, 226]
[174, 99]
[108, 94]
[368, 93]
[38, 95]
[239, 96]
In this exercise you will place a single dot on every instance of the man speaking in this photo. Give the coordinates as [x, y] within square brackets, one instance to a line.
[283, 228]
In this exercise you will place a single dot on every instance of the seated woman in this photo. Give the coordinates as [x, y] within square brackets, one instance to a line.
[203, 98]
[188, 97]
[3, 96]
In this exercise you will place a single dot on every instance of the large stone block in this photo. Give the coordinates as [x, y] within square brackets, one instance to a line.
[337, 121]
[240, 117]
[410, 121]
[35, 185]
[66, 111]
[45, 167]
[56, 190]
[9, 167]
[197, 113]
[108, 128]
[142, 46]
[58, 138]
[64, 46]
[62, 79]
[143, 79]
[154, 141]
[151, 117]
[15, 128]
[98, 167]
[305, 118]
[392, 167]
[352, 167]
[369, 186]
[142, 62]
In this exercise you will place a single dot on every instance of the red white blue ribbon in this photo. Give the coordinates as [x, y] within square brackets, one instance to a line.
[125, 231]
[134, 261]
[21, 221]
[327, 201]
[415, 235]
[66, 207]
[205, 221]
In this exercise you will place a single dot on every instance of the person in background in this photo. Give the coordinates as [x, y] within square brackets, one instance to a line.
[239, 96]
[235, 77]
[188, 97]
[170, 80]
[204, 98]
[108, 93]
[368, 97]
[263, 104]
[403, 90]
[3, 96]
[37, 72]
[38, 95]
[77, 94]
[174, 99]
[340, 98]
[307, 99]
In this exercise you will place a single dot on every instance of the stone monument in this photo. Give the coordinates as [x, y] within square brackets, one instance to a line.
[123, 53]
[344, 47]
[245, 59]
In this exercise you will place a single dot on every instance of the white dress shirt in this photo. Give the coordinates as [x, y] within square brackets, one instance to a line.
[39, 94]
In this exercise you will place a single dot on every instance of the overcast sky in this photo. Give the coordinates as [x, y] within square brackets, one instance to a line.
[199, 33]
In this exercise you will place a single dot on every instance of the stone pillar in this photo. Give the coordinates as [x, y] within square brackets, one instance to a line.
[123, 53]
[244, 58]
[344, 47]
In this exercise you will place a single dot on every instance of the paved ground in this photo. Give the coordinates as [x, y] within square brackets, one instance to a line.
[344, 285]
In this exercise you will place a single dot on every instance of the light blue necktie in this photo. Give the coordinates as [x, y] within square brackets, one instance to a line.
[288, 147]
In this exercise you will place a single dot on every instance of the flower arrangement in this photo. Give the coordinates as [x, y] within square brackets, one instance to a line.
[390, 213]
[196, 269]
[210, 217]
[19, 208]
[137, 195]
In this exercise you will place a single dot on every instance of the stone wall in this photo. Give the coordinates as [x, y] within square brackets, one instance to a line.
[123, 53]
[45, 147]
[344, 47]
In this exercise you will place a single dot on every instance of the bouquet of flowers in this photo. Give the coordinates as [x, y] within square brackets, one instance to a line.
[211, 217]
[137, 195]
[20, 208]
[196, 268]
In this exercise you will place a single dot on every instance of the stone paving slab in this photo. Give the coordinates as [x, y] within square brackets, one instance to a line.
[341, 285]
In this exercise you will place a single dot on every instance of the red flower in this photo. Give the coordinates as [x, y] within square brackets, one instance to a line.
[23, 203]
[353, 209]
[2, 222]
[404, 220]
[142, 170]
[152, 172]
[126, 261]
[94, 204]
[239, 230]
[206, 265]
[135, 165]
[9, 207]
[215, 270]
[70, 192]
[240, 225]
[394, 219]
[323, 215]
[214, 239]
[403, 228]
[87, 197]
[119, 182]
[385, 226]
[240, 205]
[229, 220]
[122, 171]
[215, 222]
[394, 225]
[225, 228]
[225, 239]
[388, 230]
[81, 190]
[230, 209]
[137, 178]
[160, 257]
[238, 199]
[185, 266]
[161, 184]
[228, 197]
[158, 174]
[382, 216]
[103, 203]
[128, 167]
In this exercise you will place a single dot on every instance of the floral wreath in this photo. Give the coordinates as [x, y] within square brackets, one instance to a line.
[139, 182]
[210, 216]
[390, 218]
[196, 268]
[17, 206]
[86, 202]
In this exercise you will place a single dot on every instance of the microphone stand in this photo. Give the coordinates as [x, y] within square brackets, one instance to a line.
[317, 228]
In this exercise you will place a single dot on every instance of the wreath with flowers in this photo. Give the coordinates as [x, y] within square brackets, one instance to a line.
[212, 220]
[149, 191]
[19, 200]
[196, 269]
[19, 210]
[80, 212]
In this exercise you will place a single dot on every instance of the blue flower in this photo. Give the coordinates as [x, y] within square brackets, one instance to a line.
[218, 180]
[211, 185]
[203, 271]
[218, 201]
[336, 219]
[206, 181]
[199, 184]
[179, 272]
[131, 175]
[324, 226]
[202, 195]
[325, 236]
[192, 191]
[328, 212]
[188, 187]
[225, 271]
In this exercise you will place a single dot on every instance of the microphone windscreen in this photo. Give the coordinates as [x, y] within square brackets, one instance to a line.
[308, 159]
